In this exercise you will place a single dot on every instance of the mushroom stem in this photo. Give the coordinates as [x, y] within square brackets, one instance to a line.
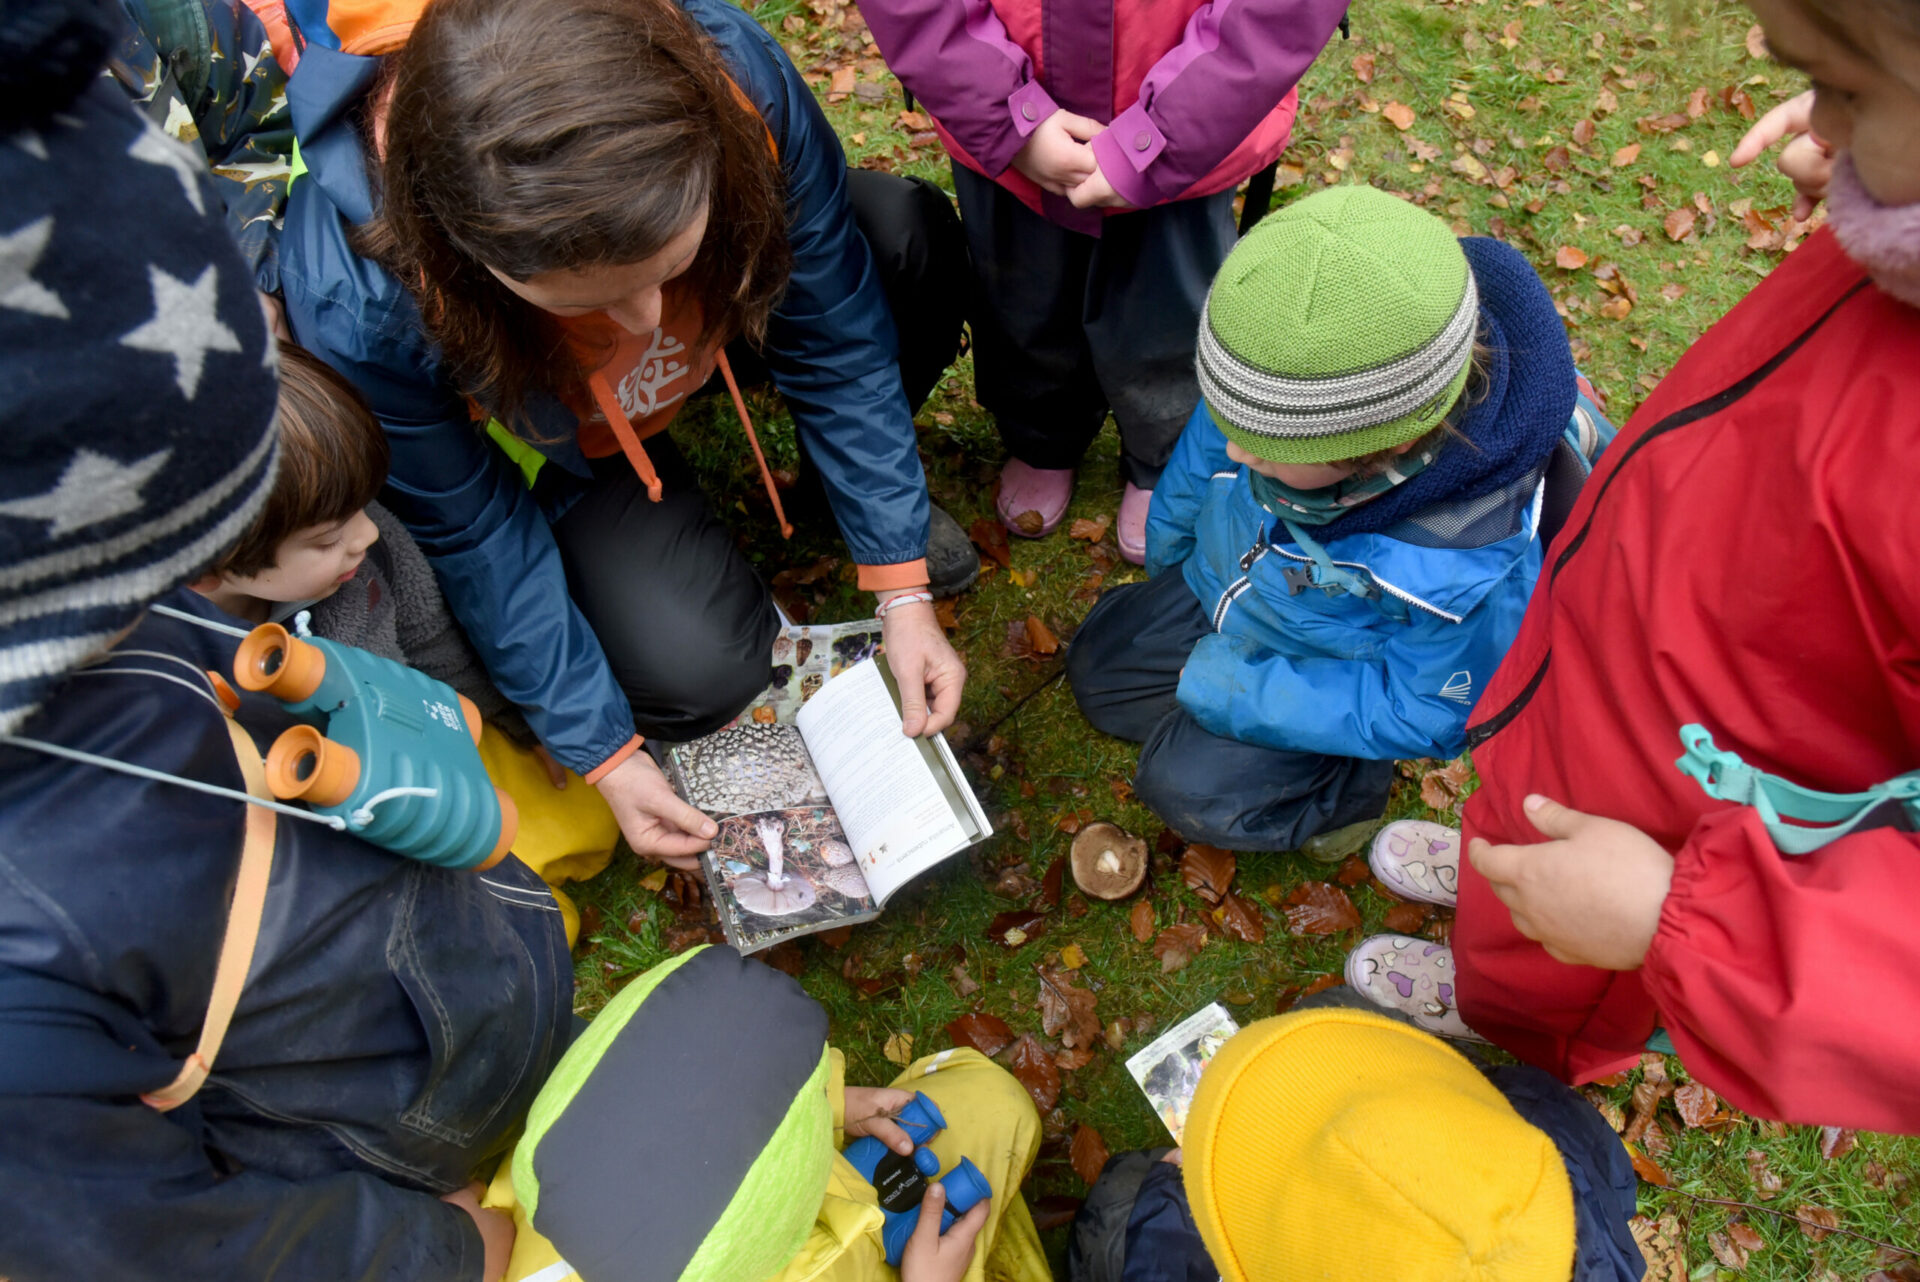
[773, 837]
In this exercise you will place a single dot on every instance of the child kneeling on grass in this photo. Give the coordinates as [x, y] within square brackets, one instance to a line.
[1344, 541]
[321, 544]
[1343, 1143]
[693, 1134]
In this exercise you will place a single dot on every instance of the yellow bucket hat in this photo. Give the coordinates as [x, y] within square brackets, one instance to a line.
[1343, 1144]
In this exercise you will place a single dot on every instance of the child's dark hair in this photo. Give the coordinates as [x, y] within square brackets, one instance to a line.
[333, 460]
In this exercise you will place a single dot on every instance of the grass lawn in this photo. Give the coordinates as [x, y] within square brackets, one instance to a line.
[1592, 135]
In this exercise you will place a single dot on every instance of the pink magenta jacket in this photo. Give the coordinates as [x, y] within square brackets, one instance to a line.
[1196, 94]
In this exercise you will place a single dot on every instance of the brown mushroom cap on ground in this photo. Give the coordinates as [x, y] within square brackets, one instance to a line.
[1108, 862]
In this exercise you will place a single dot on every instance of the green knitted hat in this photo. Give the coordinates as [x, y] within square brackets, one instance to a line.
[1341, 325]
[686, 1135]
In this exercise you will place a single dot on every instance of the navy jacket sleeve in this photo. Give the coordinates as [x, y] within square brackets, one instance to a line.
[831, 344]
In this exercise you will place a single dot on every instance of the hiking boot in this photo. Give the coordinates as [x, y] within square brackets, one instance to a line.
[1418, 860]
[952, 562]
[1412, 977]
[1033, 500]
[1131, 529]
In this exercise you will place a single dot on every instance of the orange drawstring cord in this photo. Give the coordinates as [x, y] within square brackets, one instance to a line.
[746, 421]
[623, 432]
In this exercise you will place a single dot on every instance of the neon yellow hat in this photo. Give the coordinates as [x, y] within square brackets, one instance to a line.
[1342, 1144]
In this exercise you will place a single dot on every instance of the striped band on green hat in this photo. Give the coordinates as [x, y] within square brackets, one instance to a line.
[1342, 325]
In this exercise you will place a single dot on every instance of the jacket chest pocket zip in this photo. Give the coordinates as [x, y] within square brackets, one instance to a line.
[1239, 585]
[1699, 411]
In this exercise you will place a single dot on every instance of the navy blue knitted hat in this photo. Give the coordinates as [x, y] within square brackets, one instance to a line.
[136, 380]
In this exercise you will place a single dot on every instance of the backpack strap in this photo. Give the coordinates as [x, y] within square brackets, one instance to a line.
[1819, 817]
[243, 930]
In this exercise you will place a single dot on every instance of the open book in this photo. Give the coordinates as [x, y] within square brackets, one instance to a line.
[825, 808]
[1168, 1068]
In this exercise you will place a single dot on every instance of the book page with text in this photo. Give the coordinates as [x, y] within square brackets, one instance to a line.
[891, 806]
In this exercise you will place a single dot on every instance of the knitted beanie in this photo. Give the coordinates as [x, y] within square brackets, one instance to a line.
[1341, 325]
[136, 378]
[687, 1135]
[1343, 1144]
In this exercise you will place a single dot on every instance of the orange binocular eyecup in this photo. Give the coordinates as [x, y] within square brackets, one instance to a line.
[273, 661]
[305, 765]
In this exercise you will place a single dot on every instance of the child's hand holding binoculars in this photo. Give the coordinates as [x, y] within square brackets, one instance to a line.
[933, 1256]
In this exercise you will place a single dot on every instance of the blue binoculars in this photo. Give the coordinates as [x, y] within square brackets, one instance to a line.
[399, 761]
[901, 1181]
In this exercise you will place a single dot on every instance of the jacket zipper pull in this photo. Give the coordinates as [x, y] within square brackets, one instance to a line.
[1253, 554]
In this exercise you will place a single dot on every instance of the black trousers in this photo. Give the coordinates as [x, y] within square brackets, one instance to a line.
[1124, 667]
[1067, 326]
[686, 623]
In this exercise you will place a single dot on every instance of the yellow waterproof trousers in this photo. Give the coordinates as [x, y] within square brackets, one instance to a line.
[990, 1119]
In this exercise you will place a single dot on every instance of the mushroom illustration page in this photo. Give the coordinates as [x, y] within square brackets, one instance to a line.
[824, 807]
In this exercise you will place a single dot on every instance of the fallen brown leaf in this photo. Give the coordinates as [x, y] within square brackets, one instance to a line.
[1041, 637]
[964, 985]
[1399, 115]
[1316, 908]
[1679, 223]
[1066, 1010]
[1567, 258]
[991, 538]
[1816, 1221]
[1090, 529]
[1140, 920]
[1440, 789]
[1074, 1060]
[1240, 920]
[1765, 1183]
[1088, 1153]
[1757, 43]
[1745, 1236]
[1178, 945]
[1583, 132]
[987, 1034]
[1012, 929]
[1353, 871]
[1727, 1251]
[1626, 155]
[1661, 1245]
[1835, 1142]
[1363, 68]
[1405, 919]
[842, 84]
[1647, 1169]
[1034, 1069]
[1208, 871]
[1050, 884]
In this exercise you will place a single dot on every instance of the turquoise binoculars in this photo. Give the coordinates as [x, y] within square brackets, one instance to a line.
[399, 761]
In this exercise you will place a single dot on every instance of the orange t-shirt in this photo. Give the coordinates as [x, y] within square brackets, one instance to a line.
[650, 374]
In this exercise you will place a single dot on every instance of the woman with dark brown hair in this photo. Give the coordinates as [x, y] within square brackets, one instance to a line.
[530, 230]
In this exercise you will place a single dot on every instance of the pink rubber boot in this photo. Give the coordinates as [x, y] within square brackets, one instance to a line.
[1131, 529]
[1033, 500]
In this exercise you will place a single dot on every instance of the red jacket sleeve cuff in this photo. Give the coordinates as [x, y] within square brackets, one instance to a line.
[902, 574]
[605, 768]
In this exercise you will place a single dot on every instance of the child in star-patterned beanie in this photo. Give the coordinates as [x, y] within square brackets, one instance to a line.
[136, 372]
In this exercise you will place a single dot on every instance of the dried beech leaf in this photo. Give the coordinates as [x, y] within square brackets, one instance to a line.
[1816, 1221]
[1041, 637]
[1835, 1142]
[1050, 884]
[1140, 920]
[1626, 155]
[899, 1049]
[1405, 919]
[1648, 1169]
[1696, 1103]
[1679, 223]
[1034, 1069]
[1090, 530]
[964, 985]
[1353, 871]
[1662, 1245]
[1399, 115]
[1178, 945]
[1239, 920]
[1067, 1011]
[1070, 1061]
[1208, 871]
[1569, 258]
[1745, 1236]
[991, 538]
[1363, 68]
[1766, 1184]
[1088, 1153]
[1316, 908]
[1727, 1251]
[987, 1034]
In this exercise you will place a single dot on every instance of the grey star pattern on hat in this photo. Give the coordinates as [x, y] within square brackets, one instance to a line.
[20, 253]
[155, 148]
[92, 489]
[185, 325]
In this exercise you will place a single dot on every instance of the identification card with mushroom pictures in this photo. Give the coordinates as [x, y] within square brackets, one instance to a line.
[825, 808]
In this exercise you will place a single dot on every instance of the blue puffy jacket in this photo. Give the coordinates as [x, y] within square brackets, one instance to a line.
[1371, 636]
[830, 345]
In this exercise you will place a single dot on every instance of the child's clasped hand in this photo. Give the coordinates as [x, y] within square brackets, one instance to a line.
[1056, 155]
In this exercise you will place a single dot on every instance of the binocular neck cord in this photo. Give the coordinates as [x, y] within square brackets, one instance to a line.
[360, 818]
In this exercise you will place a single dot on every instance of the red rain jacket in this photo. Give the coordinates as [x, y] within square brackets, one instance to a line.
[1747, 556]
